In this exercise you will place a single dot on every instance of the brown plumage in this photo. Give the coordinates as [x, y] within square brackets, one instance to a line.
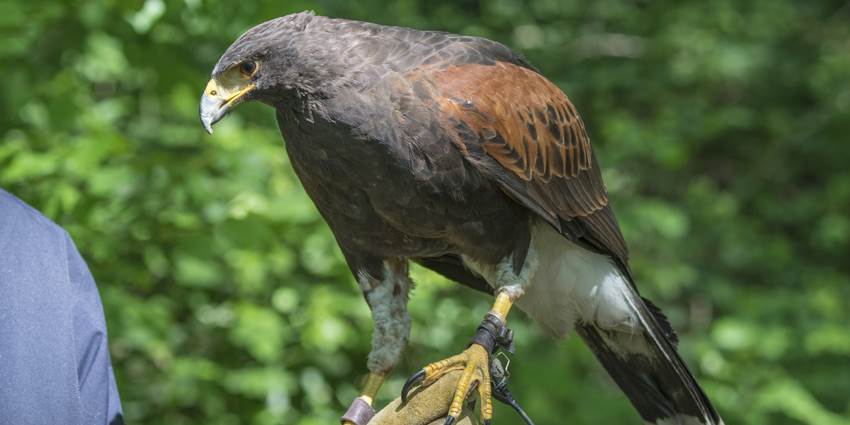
[527, 123]
[530, 127]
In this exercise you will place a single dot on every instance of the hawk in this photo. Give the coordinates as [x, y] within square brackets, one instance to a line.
[455, 152]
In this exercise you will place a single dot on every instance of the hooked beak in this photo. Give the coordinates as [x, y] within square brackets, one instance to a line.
[218, 100]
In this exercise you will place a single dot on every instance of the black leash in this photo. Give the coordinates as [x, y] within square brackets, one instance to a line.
[499, 377]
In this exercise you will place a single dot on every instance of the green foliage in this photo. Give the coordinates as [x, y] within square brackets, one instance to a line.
[722, 127]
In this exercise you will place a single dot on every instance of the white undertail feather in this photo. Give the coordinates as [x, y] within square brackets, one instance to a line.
[564, 286]
[566, 283]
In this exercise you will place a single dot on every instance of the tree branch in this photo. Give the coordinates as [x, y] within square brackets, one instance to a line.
[426, 406]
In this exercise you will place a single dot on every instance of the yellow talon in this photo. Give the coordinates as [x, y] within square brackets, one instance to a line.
[477, 366]
[475, 363]
[436, 370]
[485, 390]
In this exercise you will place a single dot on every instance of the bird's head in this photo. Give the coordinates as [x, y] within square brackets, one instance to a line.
[259, 65]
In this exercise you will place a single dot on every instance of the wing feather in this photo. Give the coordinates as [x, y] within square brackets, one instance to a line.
[523, 131]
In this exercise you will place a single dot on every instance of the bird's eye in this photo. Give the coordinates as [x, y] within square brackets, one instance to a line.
[247, 69]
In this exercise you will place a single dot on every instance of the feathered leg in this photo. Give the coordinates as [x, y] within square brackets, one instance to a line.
[386, 294]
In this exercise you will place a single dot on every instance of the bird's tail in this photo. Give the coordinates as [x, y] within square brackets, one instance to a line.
[648, 369]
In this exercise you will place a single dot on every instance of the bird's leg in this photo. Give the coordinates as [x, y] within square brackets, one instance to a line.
[361, 411]
[491, 335]
[386, 294]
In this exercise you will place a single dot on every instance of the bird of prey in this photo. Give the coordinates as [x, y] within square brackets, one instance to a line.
[455, 152]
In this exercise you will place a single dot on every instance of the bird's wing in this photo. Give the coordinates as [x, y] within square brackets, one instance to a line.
[521, 130]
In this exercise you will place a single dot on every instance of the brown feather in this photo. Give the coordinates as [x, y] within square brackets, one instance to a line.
[530, 128]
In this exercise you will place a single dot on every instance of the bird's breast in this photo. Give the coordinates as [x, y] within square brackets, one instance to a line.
[397, 197]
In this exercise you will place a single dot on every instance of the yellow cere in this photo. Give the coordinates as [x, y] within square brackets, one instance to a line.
[230, 86]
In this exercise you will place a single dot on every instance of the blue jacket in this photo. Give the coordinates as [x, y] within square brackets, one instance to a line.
[54, 359]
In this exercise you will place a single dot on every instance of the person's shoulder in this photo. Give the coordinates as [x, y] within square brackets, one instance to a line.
[16, 216]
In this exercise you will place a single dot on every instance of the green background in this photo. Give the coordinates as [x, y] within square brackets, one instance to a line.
[722, 128]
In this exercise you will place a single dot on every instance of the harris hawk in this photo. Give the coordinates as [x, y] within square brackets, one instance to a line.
[454, 152]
